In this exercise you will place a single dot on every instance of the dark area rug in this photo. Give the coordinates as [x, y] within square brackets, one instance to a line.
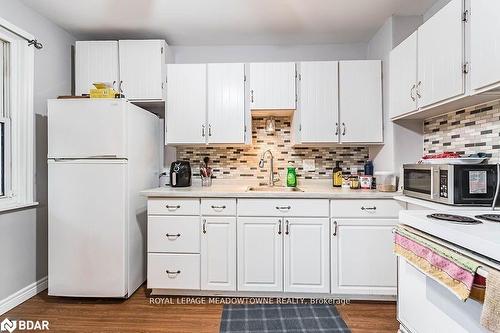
[275, 318]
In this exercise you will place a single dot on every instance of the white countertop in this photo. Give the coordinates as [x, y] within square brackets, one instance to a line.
[434, 205]
[481, 238]
[238, 189]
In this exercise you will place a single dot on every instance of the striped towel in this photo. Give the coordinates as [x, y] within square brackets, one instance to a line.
[450, 268]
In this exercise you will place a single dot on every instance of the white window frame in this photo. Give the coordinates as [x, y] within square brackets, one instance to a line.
[20, 183]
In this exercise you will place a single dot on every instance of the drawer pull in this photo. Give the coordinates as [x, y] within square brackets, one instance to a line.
[335, 228]
[218, 208]
[172, 208]
[287, 227]
[368, 208]
[172, 274]
[173, 236]
[283, 207]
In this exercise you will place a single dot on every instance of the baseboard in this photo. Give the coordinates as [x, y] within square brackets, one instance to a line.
[23, 295]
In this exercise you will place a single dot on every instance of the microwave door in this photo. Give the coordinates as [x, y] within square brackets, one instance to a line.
[418, 183]
[475, 185]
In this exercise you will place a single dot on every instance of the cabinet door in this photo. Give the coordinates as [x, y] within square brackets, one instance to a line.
[362, 258]
[95, 61]
[360, 101]
[485, 44]
[142, 69]
[307, 267]
[441, 56]
[319, 101]
[226, 103]
[186, 103]
[272, 86]
[218, 253]
[260, 250]
[403, 77]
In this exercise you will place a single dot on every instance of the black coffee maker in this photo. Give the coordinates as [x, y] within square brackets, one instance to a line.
[180, 174]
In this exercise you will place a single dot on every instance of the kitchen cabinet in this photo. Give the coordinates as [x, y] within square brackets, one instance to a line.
[186, 105]
[485, 45]
[306, 255]
[360, 101]
[142, 69]
[218, 253]
[95, 61]
[403, 77]
[318, 103]
[260, 253]
[362, 258]
[441, 56]
[272, 86]
[226, 103]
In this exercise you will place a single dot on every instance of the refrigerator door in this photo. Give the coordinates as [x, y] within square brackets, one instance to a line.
[87, 228]
[87, 128]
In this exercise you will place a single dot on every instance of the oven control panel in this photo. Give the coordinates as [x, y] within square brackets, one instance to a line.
[443, 183]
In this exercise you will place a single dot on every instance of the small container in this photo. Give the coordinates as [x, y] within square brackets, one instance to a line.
[346, 181]
[365, 182]
[206, 181]
[368, 168]
[337, 175]
[291, 176]
[354, 182]
[386, 181]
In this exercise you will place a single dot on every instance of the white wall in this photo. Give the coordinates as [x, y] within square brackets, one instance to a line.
[435, 8]
[23, 233]
[260, 53]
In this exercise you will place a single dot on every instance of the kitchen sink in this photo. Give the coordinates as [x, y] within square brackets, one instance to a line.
[273, 189]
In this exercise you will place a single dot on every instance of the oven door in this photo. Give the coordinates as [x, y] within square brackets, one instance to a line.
[474, 184]
[420, 181]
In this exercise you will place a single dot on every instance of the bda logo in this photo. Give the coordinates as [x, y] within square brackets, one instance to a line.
[8, 325]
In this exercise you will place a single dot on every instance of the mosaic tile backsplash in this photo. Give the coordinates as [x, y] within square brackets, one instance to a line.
[467, 131]
[241, 161]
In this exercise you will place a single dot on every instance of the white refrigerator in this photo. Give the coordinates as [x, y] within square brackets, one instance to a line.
[101, 154]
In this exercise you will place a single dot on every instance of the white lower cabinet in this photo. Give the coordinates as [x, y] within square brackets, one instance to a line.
[218, 253]
[362, 259]
[306, 253]
[260, 250]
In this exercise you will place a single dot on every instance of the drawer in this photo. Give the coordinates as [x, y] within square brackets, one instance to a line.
[174, 271]
[174, 234]
[366, 208]
[171, 206]
[283, 207]
[218, 207]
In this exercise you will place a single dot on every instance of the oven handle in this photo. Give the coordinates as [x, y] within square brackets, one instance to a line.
[494, 204]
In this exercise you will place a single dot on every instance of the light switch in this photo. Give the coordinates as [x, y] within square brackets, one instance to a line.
[308, 165]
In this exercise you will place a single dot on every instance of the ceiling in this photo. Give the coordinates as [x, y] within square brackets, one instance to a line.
[227, 22]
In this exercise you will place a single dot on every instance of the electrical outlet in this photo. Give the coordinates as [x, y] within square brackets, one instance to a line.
[308, 165]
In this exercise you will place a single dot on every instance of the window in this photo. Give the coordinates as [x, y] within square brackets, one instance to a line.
[16, 119]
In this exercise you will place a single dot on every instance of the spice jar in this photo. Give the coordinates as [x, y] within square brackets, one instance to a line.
[354, 182]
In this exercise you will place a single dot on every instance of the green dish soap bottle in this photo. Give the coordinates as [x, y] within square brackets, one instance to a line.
[291, 176]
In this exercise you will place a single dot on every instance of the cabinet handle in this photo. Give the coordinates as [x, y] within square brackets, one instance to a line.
[114, 83]
[336, 128]
[209, 130]
[335, 225]
[287, 227]
[218, 208]
[411, 92]
[343, 128]
[203, 130]
[283, 207]
[120, 86]
[172, 274]
[279, 227]
[204, 228]
[173, 236]
[251, 96]
[172, 208]
[368, 208]
[418, 89]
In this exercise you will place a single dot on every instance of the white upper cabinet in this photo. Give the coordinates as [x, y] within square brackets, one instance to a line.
[186, 108]
[485, 45]
[318, 101]
[226, 103]
[441, 56]
[360, 101]
[142, 69]
[272, 86]
[403, 77]
[307, 265]
[95, 61]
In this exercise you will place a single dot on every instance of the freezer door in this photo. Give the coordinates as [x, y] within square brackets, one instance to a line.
[82, 128]
[87, 228]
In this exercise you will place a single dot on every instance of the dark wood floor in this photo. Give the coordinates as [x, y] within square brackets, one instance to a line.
[138, 315]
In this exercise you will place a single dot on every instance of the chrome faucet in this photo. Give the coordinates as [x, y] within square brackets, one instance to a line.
[271, 180]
